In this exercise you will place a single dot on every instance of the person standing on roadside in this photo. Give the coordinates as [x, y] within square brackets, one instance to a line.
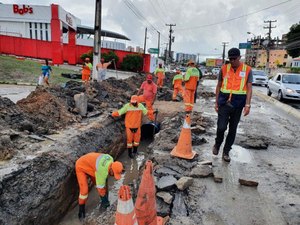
[86, 71]
[102, 69]
[46, 71]
[233, 95]
[177, 85]
[191, 77]
[160, 73]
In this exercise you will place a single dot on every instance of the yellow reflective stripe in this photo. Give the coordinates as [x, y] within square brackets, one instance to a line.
[189, 104]
[83, 196]
[129, 144]
[234, 92]
[243, 79]
[136, 143]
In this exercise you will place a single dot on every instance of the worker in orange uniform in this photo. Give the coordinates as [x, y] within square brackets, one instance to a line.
[133, 121]
[86, 71]
[97, 166]
[149, 89]
[101, 69]
[160, 73]
[191, 77]
[177, 85]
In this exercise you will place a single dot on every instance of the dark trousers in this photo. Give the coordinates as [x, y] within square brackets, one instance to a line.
[227, 114]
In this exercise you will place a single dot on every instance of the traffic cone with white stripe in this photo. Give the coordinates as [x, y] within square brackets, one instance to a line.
[183, 149]
[125, 214]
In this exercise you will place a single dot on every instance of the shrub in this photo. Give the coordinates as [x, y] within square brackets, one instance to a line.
[89, 54]
[109, 56]
[295, 69]
[132, 63]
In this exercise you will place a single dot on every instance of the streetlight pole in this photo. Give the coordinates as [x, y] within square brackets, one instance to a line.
[97, 37]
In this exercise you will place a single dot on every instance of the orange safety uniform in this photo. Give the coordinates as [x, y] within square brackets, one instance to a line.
[235, 82]
[96, 166]
[149, 92]
[160, 73]
[86, 71]
[177, 85]
[191, 78]
[133, 122]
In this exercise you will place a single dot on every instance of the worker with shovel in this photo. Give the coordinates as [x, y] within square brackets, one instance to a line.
[98, 167]
[133, 121]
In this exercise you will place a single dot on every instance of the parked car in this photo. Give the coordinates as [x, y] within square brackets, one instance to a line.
[285, 85]
[215, 71]
[260, 77]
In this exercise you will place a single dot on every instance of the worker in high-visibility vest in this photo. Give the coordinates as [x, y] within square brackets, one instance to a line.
[160, 74]
[233, 95]
[98, 167]
[87, 67]
[177, 85]
[133, 120]
[191, 77]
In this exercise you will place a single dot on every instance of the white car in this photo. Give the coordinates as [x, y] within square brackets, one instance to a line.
[215, 71]
[285, 86]
[260, 77]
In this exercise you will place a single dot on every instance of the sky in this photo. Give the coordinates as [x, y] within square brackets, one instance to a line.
[201, 26]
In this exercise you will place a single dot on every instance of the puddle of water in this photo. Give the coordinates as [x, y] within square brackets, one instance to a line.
[240, 154]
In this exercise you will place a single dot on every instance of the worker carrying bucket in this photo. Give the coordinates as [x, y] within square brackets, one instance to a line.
[97, 166]
[133, 121]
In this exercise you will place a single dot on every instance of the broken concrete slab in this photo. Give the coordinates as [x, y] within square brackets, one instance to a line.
[179, 207]
[163, 171]
[81, 103]
[184, 182]
[166, 182]
[249, 183]
[198, 130]
[218, 179]
[162, 208]
[201, 171]
[166, 196]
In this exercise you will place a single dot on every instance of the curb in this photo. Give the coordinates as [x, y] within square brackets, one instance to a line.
[288, 109]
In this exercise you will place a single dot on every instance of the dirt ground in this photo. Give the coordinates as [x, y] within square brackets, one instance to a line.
[266, 151]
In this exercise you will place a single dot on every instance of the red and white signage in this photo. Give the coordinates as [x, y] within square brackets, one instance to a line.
[22, 9]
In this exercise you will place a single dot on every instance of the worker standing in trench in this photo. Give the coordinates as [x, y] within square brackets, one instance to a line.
[133, 121]
[191, 77]
[177, 85]
[86, 72]
[97, 166]
[160, 73]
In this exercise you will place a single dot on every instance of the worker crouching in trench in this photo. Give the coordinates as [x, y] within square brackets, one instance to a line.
[133, 121]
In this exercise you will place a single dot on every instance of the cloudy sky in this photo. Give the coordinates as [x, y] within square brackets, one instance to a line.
[201, 26]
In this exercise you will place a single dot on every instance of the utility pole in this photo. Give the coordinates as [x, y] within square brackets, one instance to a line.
[170, 40]
[145, 40]
[166, 50]
[198, 54]
[158, 44]
[269, 42]
[223, 55]
[97, 37]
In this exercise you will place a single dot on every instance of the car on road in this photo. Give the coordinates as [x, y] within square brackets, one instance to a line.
[215, 71]
[260, 78]
[285, 86]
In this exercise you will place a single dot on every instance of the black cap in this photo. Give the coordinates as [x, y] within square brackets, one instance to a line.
[234, 52]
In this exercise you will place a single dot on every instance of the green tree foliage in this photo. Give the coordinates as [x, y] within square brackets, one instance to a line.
[107, 57]
[89, 54]
[132, 63]
[293, 41]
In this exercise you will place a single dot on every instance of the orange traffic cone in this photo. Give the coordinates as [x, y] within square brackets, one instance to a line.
[183, 149]
[125, 214]
[145, 205]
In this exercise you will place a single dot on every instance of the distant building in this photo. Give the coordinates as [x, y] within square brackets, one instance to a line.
[296, 63]
[130, 49]
[139, 49]
[183, 57]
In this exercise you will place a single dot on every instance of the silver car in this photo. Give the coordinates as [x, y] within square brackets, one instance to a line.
[285, 86]
[260, 77]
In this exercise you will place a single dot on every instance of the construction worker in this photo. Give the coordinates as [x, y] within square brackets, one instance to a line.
[191, 77]
[177, 85]
[233, 96]
[97, 166]
[160, 73]
[86, 71]
[133, 121]
[149, 89]
[101, 69]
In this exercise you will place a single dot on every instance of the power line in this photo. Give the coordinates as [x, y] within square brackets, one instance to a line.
[235, 18]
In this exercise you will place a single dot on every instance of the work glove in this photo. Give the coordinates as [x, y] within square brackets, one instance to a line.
[81, 214]
[115, 114]
[101, 191]
[104, 202]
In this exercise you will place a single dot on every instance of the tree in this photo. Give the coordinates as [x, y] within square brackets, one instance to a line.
[132, 63]
[293, 41]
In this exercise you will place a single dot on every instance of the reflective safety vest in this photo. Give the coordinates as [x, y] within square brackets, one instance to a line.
[133, 118]
[102, 163]
[86, 69]
[160, 73]
[177, 77]
[235, 82]
[191, 78]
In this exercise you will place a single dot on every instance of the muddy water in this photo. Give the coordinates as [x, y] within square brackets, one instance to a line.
[128, 178]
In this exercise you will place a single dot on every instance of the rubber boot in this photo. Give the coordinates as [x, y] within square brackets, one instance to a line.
[130, 153]
[135, 148]
[81, 213]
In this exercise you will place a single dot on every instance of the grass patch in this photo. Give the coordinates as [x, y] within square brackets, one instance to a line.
[13, 70]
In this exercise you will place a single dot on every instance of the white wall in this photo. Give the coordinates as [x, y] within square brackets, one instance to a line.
[17, 29]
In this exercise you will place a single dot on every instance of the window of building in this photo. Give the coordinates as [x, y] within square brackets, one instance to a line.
[30, 30]
[35, 31]
[41, 30]
[46, 32]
